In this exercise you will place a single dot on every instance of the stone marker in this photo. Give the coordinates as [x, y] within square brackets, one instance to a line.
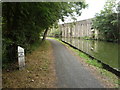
[21, 58]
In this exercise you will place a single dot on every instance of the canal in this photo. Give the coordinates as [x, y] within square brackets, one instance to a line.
[106, 52]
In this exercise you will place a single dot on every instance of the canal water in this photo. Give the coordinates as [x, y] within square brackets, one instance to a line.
[106, 52]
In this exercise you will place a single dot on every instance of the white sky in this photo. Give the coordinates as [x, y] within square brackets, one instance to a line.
[94, 6]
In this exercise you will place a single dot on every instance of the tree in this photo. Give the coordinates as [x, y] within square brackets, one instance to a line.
[23, 22]
[62, 9]
[106, 21]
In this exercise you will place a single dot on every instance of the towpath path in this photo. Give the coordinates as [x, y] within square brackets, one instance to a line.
[70, 72]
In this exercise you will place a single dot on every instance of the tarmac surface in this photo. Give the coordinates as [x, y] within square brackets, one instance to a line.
[70, 72]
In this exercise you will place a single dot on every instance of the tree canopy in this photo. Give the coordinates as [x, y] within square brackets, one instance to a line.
[107, 21]
[23, 22]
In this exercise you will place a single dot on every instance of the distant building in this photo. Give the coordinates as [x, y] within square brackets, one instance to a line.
[79, 29]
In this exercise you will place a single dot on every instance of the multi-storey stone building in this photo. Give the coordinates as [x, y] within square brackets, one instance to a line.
[80, 29]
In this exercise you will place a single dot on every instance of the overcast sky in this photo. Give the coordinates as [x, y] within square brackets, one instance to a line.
[94, 6]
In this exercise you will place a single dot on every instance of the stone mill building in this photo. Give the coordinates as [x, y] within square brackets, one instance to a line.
[79, 29]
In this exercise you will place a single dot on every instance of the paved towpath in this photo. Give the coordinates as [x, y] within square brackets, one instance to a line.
[70, 72]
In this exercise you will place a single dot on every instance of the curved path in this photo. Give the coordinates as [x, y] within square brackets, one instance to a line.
[70, 72]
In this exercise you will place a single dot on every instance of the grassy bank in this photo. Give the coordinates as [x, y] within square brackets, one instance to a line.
[109, 79]
[38, 73]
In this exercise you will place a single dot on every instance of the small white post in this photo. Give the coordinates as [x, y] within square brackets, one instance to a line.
[21, 58]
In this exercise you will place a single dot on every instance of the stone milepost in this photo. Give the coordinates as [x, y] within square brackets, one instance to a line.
[21, 58]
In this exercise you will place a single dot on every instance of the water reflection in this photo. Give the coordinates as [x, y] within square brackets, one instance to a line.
[107, 52]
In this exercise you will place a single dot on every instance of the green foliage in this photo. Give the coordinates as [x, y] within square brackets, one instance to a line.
[94, 63]
[55, 32]
[107, 21]
[24, 22]
[86, 37]
[82, 55]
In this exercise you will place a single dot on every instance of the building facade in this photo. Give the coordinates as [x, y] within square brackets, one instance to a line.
[79, 29]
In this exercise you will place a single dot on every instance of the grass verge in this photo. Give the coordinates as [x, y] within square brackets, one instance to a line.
[109, 79]
[38, 73]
